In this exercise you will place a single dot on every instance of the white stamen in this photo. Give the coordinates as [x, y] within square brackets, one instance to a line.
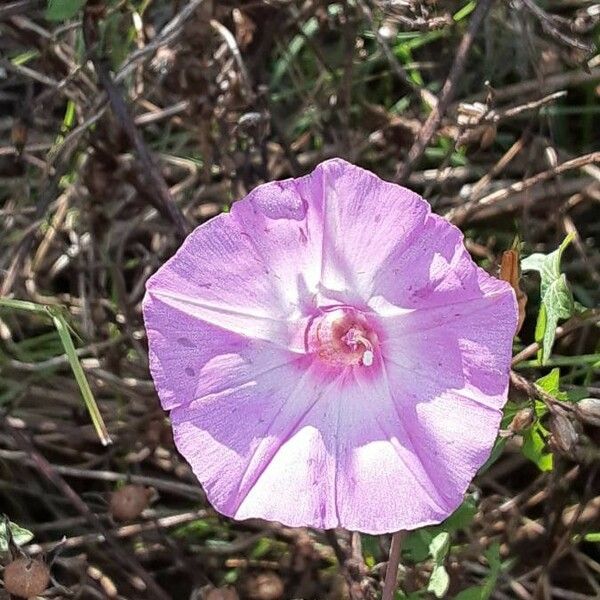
[367, 358]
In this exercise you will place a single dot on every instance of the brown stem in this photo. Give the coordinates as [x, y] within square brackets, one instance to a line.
[46, 469]
[154, 185]
[448, 90]
[351, 567]
[391, 572]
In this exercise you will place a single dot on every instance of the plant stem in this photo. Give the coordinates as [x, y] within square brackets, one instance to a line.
[391, 572]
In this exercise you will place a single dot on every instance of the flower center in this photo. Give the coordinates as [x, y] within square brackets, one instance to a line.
[343, 337]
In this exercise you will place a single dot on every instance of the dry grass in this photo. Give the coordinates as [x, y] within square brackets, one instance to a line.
[122, 129]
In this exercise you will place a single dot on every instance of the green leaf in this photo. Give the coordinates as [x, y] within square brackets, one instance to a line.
[557, 300]
[439, 582]
[461, 518]
[439, 546]
[416, 545]
[117, 35]
[594, 536]
[61, 10]
[534, 447]
[493, 557]
[231, 576]
[370, 548]
[23, 305]
[438, 549]
[494, 455]
[551, 383]
[400, 595]
[419, 543]
[473, 593]
[534, 262]
[20, 535]
[262, 548]
[576, 394]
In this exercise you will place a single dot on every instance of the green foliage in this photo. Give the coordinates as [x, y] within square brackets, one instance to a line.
[400, 595]
[62, 327]
[484, 591]
[439, 580]
[434, 543]
[557, 299]
[439, 546]
[231, 576]
[117, 34]
[461, 518]
[19, 535]
[262, 548]
[370, 548]
[534, 438]
[551, 383]
[61, 10]
[416, 547]
[196, 530]
[534, 447]
[495, 454]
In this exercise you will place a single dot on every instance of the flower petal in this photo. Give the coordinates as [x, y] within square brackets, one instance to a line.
[311, 453]
[453, 430]
[447, 369]
[435, 269]
[252, 271]
[384, 482]
[234, 438]
[457, 345]
[365, 221]
[190, 358]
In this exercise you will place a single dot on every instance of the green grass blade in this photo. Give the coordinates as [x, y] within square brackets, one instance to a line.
[90, 403]
[62, 327]
[23, 305]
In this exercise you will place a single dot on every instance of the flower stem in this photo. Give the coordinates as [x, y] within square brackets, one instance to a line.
[391, 572]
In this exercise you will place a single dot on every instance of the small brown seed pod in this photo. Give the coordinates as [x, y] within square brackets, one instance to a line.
[128, 502]
[224, 593]
[265, 586]
[563, 433]
[26, 577]
[588, 410]
[522, 420]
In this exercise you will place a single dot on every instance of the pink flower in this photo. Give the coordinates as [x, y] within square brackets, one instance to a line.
[331, 355]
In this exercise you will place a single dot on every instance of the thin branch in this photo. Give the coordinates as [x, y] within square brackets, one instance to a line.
[464, 212]
[167, 34]
[446, 95]
[549, 24]
[358, 588]
[177, 488]
[155, 188]
[550, 84]
[125, 531]
[46, 469]
[20, 7]
[561, 331]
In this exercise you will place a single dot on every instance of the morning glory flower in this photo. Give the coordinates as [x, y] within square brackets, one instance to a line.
[330, 354]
